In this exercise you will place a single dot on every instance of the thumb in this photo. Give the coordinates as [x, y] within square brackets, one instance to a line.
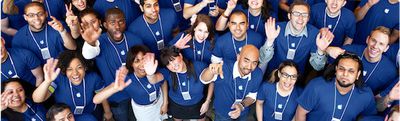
[53, 18]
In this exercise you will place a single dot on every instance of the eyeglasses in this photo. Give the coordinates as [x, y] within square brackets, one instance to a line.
[298, 14]
[286, 75]
[31, 15]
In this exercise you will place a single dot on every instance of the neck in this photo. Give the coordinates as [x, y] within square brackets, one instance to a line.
[76, 83]
[241, 38]
[184, 69]
[370, 59]
[151, 21]
[21, 109]
[4, 57]
[116, 41]
[343, 90]
[283, 92]
[331, 14]
[255, 12]
[36, 30]
[294, 31]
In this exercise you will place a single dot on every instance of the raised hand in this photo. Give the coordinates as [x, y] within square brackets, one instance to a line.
[215, 12]
[216, 68]
[150, 64]
[324, 38]
[89, 33]
[231, 4]
[271, 30]
[56, 24]
[119, 83]
[71, 19]
[5, 99]
[181, 43]
[206, 2]
[50, 70]
[69, 10]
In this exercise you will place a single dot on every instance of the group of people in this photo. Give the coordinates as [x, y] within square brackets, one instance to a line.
[222, 60]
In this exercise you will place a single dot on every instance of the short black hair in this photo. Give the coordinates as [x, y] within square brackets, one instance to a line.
[34, 3]
[65, 58]
[55, 109]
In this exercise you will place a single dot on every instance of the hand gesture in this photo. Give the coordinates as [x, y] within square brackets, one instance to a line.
[120, 75]
[324, 38]
[5, 99]
[193, 19]
[334, 52]
[204, 107]
[150, 64]
[56, 24]
[394, 94]
[271, 30]
[216, 68]
[89, 33]
[71, 19]
[231, 4]
[50, 70]
[181, 43]
[215, 12]
[372, 2]
[235, 113]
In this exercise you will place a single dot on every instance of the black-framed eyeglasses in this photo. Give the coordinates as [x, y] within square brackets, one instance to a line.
[286, 75]
[31, 15]
[298, 14]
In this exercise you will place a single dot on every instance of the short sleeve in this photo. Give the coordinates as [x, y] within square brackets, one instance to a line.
[99, 83]
[191, 2]
[371, 108]
[305, 99]
[262, 92]
[31, 60]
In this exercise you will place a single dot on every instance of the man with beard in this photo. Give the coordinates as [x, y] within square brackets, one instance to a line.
[236, 84]
[337, 96]
[45, 41]
[110, 50]
[229, 45]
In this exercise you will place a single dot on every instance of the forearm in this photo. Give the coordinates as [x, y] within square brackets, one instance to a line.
[75, 31]
[394, 36]
[69, 43]
[210, 92]
[6, 29]
[106, 106]
[246, 102]
[190, 10]
[284, 6]
[207, 75]
[360, 12]
[104, 94]
[383, 103]
[164, 88]
[301, 114]
[42, 92]
[259, 110]
[155, 78]
[221, 23]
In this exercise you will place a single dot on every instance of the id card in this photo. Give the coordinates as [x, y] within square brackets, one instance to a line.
[186, 96]
[290, 54]
[45, 53]
[278, 115]
[178, 7]
[335, 119]
[160, 44]
[79, 109]
[152, 96]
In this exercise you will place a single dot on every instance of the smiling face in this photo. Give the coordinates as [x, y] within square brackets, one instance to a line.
[287, 78]
[17, 93]
[334, 6]
[35, 16]
[91, 19]
[79, 4]
[377, 44]
[238, 25]
[75, 71]
[201, 32]
[138, 65]
[255, 4]
[347, 72]
[150, 10]
[299, 17]
[177, 64]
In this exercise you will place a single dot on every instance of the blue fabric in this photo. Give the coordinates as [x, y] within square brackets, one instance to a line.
[55, 8]
[392, 52]
[62, 93]
[188, 53]
[14, 21]
[224, 47]
[122, 111]
[24, 61]
[168, 4]
[23, 39]
[130, 8]
[138, 92]
[389, 88]
[377, 16]
[267, 93]
[39, 111]
[345, 27]
[320, 106]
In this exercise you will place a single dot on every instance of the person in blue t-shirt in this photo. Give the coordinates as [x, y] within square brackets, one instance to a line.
[156, 26]
[394, 53]
[60, 112]
[229, 45]
[276, 99]
[110, 51]
[129, 7]
[284, 6]
[340, 21]
[339, 95]
[187, 96]
[236, 84]
[12, 18]
[198, 43]
[294, 40]
[20, 63]
[75, 86]
[77, 6]
[46, 39]
[375, 63]
[373, 13]
[176, 5]
[15, 106]
[208, 7]
[146, 87]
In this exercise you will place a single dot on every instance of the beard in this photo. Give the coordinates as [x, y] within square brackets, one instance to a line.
[343, 84]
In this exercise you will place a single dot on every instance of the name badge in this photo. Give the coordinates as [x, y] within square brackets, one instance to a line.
[177, 7]
[335, 119]
[186, 96]
[290, 54]
[123, 64]
[152, 96]
[79, 109]
[278, 115]
[160, 44]
[45, 53]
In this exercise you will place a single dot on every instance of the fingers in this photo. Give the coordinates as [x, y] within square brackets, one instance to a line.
[221, 73]
[128, 83]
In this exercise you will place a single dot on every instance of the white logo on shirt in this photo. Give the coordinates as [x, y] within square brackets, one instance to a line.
[364, 73]
[386, 10]
[78, 94]
[148, 86]
[280, 106]
[252, 26]
[293, 44]
[183, 84]
[10, 72]
[122, 52]
[240, 87]
[339, 107]
[330, 26]
[41, 42]
[158, 33]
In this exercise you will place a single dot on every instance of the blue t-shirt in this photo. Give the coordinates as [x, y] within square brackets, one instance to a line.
[140, 89]
[346, 26]
[130, 8]
[227, 47]
[389, 88]
[373, 77]
[197, 51]
[55, 8]
[220, 3]
[393, 53]
[224, 91]
[91, 84]
[319, 96]
[382, 13]
[169, 4]
[23, 61]
[14, 21]
[185, 83]
[34, 112]
[110, 59]
[274, 101]
[161, 30]
[54, 42]
[304, 47]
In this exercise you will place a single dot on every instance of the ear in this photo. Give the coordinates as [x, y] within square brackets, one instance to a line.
[366, 41]
[358, 75]
[237, 57]
[104, 24]
[288, 15]
[25, 17]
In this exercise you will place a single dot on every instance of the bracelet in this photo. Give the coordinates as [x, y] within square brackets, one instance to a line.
[225, 16]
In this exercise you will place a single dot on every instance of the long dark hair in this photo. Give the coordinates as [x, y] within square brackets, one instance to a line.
[287, 63]
[266, 8]
[167, 55]
[210, 28]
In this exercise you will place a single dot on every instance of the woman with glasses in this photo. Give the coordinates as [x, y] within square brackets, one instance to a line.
[276, 99]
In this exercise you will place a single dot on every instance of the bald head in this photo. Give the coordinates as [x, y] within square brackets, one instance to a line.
[248, 59]
[250, 50]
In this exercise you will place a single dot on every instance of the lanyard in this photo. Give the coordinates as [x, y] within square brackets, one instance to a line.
[234, 45]
[340, 14]
[258, 21]
[345, 107]
[12, 64]
[179, 81]
[276, 94]
[245, 88]
[84, 93]
[126, 47]
[48, 7]
[202, 50]
[376, 65]
[287, 39]
[143, 86]
[34, 39]
[152, 33]
[34, 112]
